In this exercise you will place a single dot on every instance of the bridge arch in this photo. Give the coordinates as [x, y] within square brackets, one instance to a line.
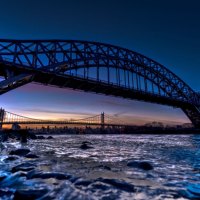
[96, 64]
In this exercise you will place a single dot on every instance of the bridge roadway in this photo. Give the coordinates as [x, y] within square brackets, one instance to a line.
[67, 123]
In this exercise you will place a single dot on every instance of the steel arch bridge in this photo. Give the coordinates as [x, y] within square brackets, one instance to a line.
[94, 67]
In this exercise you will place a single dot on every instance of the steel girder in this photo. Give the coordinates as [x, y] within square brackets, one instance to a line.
[14, 82]
[62, 56]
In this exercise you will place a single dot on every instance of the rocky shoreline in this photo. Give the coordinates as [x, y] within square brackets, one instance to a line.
[24, 181]
[23, 175]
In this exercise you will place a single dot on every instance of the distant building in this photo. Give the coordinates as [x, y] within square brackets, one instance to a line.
[155, 124]
[187, 125]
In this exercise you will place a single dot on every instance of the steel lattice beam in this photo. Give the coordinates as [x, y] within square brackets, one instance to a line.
[59, 62]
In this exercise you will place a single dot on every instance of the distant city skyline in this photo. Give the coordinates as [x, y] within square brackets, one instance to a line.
[166, 31]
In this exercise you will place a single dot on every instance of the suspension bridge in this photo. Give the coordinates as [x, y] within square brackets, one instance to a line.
[8, 118]
[94, 67]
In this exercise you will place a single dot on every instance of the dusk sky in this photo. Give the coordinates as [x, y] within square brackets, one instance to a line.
[167, 31]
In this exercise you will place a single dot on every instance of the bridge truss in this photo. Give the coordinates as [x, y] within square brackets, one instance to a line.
[94, 67]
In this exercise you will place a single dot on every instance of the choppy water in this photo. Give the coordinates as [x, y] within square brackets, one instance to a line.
[175, 160]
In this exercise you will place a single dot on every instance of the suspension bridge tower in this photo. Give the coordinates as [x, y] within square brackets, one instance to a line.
[2, 114]
[102, 119]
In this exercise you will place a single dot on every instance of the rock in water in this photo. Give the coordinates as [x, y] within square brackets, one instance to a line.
[86, 142]
[40, 137]
[29, 194]
[32, 136]
[132, 164]
[119, 184]
[140, 165]
[82, 182]
[145, 166]
[47, 175]
[20, 152]
[23, 167]
[50, 137]
[31, 156]
[104, 167]
[2, 176]
[97, 185]
[84, 146]
[11, 158]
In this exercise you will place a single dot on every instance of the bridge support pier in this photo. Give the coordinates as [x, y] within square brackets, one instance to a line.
[2, 115]
[193, 113]
[102, 120]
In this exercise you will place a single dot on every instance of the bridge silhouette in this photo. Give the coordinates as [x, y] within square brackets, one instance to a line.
[8, 118]
[97, 68]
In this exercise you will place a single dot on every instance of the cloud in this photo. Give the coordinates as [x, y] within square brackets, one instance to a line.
[118, 114]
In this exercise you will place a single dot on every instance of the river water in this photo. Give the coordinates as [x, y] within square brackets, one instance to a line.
[101, 172]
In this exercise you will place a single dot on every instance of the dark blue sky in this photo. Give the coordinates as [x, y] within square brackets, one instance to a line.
[167, 31]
